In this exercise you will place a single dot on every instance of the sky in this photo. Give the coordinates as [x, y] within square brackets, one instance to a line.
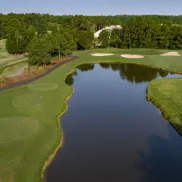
[92, 7]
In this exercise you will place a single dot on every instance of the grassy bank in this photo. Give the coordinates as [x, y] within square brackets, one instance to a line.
[167, 95]
[29, 124]
[9, 69]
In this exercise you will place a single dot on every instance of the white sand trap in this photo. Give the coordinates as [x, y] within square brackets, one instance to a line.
[171, 54]
[102, 54]
[131, 56]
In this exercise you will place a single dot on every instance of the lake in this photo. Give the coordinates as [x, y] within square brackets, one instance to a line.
[112, 133]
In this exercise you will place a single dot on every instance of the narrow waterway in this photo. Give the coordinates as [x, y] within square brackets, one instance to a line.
[112, 133]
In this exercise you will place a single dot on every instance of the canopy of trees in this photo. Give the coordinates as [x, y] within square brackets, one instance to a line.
[42, 49]
[44, 22]
[63, 34]
[104, 38]
[147, 33]
[19, 36]
[85, 39]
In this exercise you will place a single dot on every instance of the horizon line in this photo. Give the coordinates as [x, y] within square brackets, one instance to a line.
[124, 14]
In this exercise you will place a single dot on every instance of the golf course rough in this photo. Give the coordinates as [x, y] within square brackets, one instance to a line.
[40, 104]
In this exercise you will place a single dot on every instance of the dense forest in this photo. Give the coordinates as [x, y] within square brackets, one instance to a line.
[43, 36]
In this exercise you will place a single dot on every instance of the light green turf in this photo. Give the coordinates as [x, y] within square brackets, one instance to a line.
[3, 52]
[25, 128]
[8, 63]
[43, 86]
[167, 95]
[22, 160]
[29, 101]
[13, 69]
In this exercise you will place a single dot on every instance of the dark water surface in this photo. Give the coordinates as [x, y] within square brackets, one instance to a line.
[112, 133]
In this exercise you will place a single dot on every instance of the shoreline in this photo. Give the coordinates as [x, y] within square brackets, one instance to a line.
[57, 147]
[163, 112]
[52, 156]
[27, 81]
[59, 142]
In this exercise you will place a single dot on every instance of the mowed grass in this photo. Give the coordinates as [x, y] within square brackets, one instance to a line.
[12, 70]
[3, 52]
[167, 95]
[8, 63]
[31, 113]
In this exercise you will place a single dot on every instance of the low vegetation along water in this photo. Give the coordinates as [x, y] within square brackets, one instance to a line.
[112, 133]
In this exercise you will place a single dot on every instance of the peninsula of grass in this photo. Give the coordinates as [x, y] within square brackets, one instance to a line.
[29, 115]
[167, 95]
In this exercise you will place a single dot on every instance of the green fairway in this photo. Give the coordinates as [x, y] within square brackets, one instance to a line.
[30, 113]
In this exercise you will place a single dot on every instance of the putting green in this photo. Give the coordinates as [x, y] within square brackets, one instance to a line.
[33, 100]
[25, 128]
[43, 86]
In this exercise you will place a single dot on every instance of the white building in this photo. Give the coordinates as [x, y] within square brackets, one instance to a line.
[109, 28]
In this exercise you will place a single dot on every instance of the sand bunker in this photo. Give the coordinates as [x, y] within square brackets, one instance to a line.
[131, 56]
[171, 54]
[102, 54]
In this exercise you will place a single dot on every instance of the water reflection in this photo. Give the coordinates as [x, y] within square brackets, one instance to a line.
[86, 67]
[70, 78]
[156, 163]
[105, 65]
[130, 72]
[112, 133]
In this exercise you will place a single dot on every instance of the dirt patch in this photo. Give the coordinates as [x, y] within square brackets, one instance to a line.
[132, 56]
[102, 54]
[171, 54]
[18, 72]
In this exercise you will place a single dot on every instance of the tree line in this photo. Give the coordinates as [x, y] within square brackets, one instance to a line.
[33, 35]
[144, 33]
[46, 22]
[43, 36]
